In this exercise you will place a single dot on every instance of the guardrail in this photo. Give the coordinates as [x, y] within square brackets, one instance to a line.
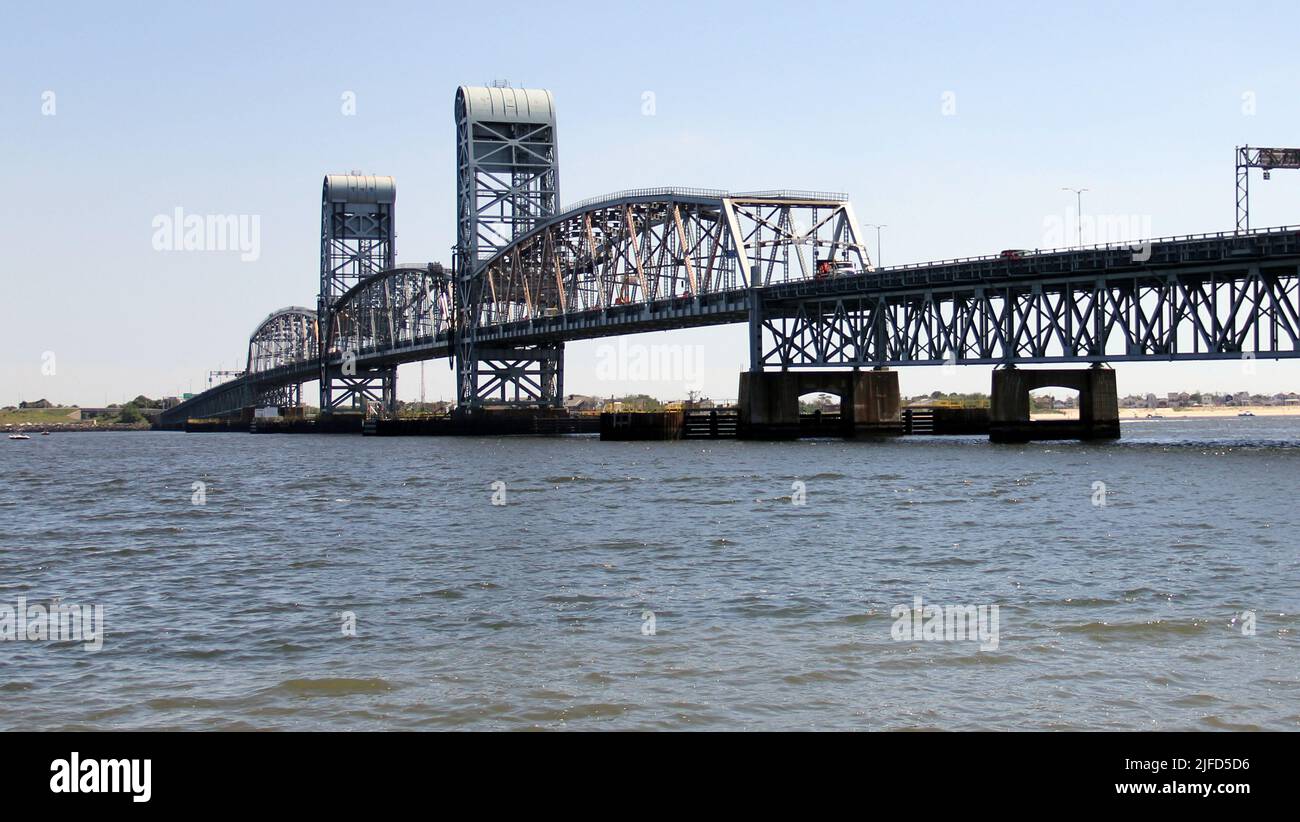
[1125, 246]
[712, 193]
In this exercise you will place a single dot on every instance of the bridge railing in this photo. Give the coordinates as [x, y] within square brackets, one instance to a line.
[705, 193]
[665, 191]
[790, 194]
[1123, 246]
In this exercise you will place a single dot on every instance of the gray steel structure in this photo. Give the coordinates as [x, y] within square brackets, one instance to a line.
[1204, 297]
[1211, 296]
[1265, 158]
[358, 239]
[507, 183]
[791, 264]
[286, 337]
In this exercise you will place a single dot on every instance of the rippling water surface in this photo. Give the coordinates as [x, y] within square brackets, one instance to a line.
[767, 614]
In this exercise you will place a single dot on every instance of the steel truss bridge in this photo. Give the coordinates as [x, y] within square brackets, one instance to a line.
[529, 277]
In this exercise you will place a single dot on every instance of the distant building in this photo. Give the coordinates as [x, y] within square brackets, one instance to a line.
[582, 402]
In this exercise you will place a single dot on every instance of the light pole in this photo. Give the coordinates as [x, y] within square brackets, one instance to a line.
[879, 262]
[1078, 217]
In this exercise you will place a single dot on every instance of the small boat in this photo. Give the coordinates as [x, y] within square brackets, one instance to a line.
[1245, 414]
[19, 437]
[45, 433]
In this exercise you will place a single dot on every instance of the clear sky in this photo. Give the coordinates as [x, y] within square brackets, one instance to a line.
[954, 124]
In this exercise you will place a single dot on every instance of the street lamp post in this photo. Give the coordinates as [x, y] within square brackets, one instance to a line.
[879, 261]
[1078, 216]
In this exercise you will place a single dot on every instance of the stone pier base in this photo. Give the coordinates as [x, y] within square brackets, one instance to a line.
[1009, 407]
[769, 402]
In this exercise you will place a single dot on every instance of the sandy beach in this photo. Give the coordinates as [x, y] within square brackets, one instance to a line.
[1184, 413]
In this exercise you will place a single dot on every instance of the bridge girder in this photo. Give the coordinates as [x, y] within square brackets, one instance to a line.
[1224, 297]
[640, 247]
[1211, 297]
[392, 309]
[285, 337]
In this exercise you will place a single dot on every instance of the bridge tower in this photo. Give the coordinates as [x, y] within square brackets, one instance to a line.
[357, 240]
[507, 183]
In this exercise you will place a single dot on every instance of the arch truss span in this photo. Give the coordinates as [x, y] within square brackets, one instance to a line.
[651, 245]
[397, 308]
[286, 337]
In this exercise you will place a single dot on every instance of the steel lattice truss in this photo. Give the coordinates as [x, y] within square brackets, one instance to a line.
[357, 232]
[285, 337]
[357, 243]
[1216, 296]
[646, 247]
[507, 167]
[1231, 312]
[396, 309]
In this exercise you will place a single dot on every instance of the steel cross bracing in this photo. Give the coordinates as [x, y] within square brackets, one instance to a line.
[667, 246]
[401, 308]
[357, 242]
[507, 166]
[507, 183]
[1211, 297]
[1255, 157]
[285, 337]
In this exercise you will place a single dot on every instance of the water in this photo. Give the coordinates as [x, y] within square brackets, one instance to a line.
[768, 615]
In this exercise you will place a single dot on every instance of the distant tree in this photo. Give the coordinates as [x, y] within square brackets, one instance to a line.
[641, 402]
[130, 414]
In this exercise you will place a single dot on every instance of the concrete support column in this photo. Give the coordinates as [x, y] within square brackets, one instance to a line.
[1009, 405]
[875, 403]
[769, 402]
[769, 405]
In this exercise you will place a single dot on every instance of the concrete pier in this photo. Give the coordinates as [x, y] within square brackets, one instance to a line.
[769, 402]
[1009, 406]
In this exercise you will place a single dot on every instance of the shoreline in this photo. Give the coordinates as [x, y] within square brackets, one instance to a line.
[1140, 414]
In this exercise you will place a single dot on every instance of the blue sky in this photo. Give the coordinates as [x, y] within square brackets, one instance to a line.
[236, 109]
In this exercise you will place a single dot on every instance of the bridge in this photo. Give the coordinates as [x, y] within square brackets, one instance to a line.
[528, 276]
